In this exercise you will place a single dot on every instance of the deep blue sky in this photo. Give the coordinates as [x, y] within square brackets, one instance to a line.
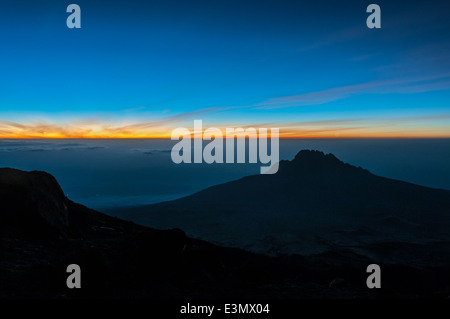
[308, 66]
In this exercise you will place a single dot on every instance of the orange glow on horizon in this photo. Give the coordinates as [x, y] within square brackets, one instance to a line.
[282, 135]
[310, 130]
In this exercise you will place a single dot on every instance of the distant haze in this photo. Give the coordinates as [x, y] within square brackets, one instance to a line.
[110, 173]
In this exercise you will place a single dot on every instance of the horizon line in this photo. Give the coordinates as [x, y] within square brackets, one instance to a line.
[246, 137]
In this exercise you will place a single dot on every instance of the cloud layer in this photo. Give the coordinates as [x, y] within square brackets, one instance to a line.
[410, 126]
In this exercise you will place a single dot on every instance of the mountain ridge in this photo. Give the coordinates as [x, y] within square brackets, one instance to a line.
[312, 200]
[120, 259]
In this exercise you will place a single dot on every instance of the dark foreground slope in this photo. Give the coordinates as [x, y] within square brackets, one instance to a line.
[42, 232]
[313, 204]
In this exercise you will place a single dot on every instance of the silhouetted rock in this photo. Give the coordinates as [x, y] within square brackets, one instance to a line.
[33, 204]
[42, 232]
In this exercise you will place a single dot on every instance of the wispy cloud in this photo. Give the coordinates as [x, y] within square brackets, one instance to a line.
[95, 128]
[424, 125]
[150, 151]
[401, 85]
[411, 126]
[14, 146]
[434, 125]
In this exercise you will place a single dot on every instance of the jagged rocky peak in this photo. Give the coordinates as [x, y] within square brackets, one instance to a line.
[311, 161]
[314, 157]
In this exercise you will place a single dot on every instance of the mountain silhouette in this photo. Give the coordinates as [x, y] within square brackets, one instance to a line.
[314, 203]
[42, 232]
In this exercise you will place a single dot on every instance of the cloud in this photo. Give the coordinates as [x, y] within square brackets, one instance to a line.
[151, 151]
[401, 85]
[432, 125]
[409, 126]
[162, 128]
[101, 129]
[34, 146]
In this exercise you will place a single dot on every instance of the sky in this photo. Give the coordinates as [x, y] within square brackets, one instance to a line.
[142, 68]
